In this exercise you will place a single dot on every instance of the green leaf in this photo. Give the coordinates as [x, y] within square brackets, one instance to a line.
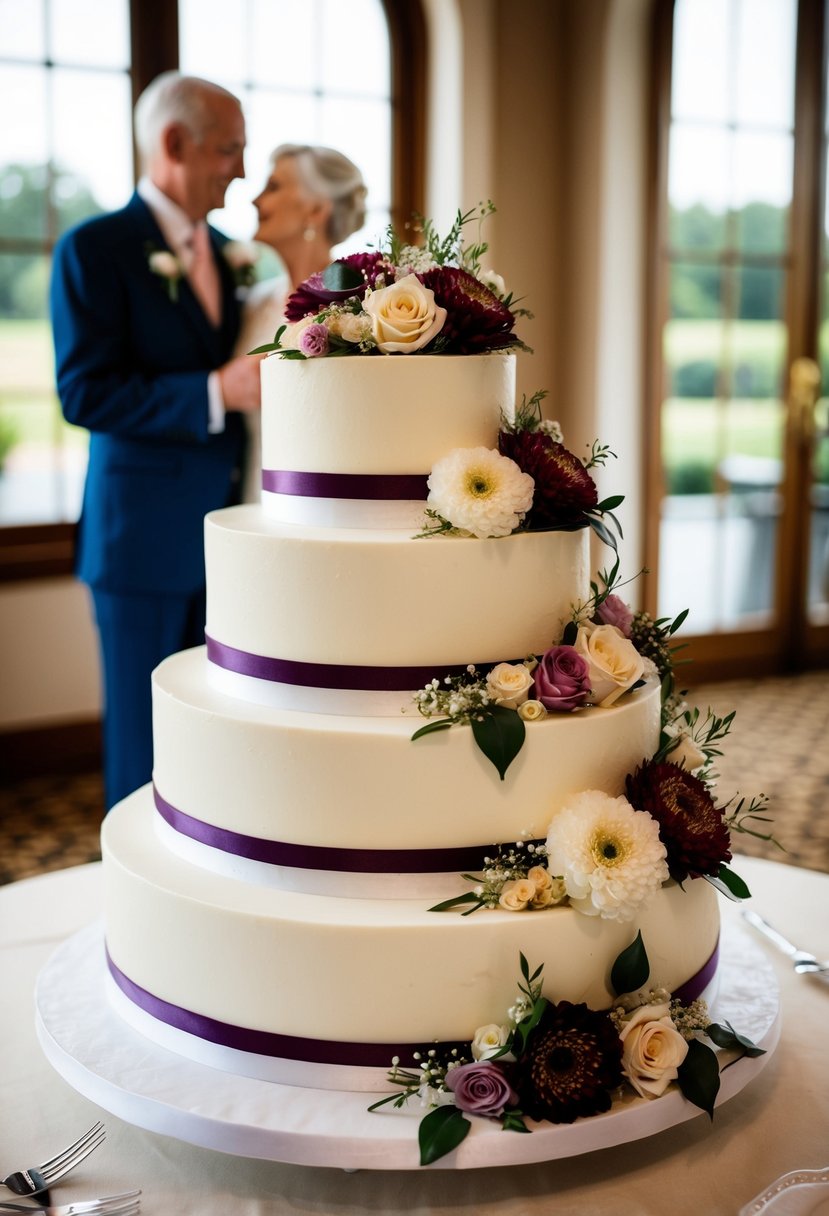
[726, 1036]
[341, 277]
[442, 1130]
[678, 622]
[264, 350]
[397, 1099]
[631, 970]
[699, 1076]
[513, 1121]
[609, 504]
[729, 883]
[500, 736]
[468, 898]
[430, 727]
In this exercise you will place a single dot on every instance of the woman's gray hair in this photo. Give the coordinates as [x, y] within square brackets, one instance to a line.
[172, 97]
[329, 174]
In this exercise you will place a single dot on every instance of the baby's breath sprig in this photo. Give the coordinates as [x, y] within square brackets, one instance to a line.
[459, 698]
[429, 1082]
[439, 526]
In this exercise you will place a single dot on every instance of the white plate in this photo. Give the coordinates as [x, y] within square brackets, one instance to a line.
[120, 1070]
[799, 1193]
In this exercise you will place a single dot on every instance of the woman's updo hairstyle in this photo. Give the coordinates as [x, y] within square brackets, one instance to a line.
[328, 174]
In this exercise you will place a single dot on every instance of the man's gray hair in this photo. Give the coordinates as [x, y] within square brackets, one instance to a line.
[172, 97]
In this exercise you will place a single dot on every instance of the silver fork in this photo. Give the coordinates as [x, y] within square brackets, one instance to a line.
[126, 1204]
[40, 1177]
[803, 962]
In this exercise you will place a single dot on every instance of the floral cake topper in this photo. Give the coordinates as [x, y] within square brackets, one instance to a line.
[432, 298]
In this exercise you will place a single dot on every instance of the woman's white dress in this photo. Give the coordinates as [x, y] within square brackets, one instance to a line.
[261, 318]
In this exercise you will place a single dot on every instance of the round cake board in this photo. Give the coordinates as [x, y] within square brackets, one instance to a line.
[120, 1070]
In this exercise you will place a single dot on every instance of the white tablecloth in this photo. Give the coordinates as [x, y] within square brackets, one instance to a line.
[778, 1123]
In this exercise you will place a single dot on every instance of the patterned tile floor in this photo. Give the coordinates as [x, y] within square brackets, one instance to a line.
[779, 746]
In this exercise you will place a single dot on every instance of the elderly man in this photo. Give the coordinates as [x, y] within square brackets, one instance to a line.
[145, 315]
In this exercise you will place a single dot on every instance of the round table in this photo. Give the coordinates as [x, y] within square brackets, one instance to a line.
[778, 1123]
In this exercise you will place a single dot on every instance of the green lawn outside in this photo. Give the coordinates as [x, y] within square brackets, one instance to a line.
[29, 406]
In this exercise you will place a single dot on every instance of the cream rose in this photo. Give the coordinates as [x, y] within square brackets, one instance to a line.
[351, 327]
[652, 1049]
[515, 895]
[548, 890]
[615, 664]
[509, 684]
[488, 1041]
[531, 710]
[404, 316]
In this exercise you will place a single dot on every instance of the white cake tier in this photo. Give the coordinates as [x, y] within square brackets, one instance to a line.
[376, 611]
[267, 778]
[351, 442]
[334, 982]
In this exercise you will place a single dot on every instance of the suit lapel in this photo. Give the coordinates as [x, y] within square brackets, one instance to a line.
[213, 340]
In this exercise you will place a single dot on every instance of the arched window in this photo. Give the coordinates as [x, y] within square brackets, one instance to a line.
[351, 76]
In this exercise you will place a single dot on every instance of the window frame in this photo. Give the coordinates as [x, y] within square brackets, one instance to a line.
[43, 551]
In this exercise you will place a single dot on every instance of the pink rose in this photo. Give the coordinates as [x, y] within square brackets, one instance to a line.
[614, 611]
[313, 341]
[481, 1089]
[562, 679]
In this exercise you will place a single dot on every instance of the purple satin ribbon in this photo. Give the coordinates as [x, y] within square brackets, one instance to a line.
[325, 675]
[379, 486]
[309, 1051]
[263, 1042]
[319, 857]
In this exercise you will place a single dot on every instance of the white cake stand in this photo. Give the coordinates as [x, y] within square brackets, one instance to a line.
[123, 1072]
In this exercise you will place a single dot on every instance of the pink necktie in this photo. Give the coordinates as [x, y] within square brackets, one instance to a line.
[204, 277]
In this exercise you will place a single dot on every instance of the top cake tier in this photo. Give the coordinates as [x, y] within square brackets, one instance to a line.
[350, 442]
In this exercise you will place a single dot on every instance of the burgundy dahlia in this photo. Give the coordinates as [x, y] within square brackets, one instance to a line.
[476, 320]
[312, 295]
[691, 827]
[564, 489]
[571, 1065]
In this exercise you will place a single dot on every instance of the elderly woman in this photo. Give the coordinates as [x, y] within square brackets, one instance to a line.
[314, 199]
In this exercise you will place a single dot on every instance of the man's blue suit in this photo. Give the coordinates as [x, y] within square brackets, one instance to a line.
[132, 368]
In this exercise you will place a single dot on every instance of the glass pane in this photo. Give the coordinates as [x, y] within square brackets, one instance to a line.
[699, 168]
[22, 23]
[761, 169]
[23, 94]
[43, 471]
[696, 227]
[695, 293]
[701, 72]
[24, 288]
[284, 46]
[762, 228]
[764, 76]
[758, 353]
[71, 37]
[353, 35]
[23, 202]
[99, 103]
[213, 40]
[759, 293]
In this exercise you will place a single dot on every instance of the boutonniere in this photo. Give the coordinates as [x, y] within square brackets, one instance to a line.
[241, 257]
[167, 266]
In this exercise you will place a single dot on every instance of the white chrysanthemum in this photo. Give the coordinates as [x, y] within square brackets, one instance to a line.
[480, 491]
[609, 855]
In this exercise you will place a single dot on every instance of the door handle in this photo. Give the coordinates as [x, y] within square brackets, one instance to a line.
[804, 390]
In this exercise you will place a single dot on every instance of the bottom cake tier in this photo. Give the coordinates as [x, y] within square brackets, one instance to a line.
[325, 990]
